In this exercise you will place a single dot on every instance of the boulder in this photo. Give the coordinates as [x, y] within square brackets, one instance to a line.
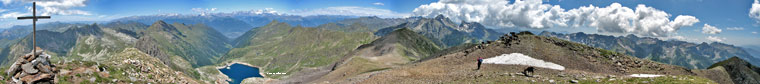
[29, 68]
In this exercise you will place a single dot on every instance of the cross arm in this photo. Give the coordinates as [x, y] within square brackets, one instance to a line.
[32, 17]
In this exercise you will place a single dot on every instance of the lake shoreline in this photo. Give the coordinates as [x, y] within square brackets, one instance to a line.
[231, 63]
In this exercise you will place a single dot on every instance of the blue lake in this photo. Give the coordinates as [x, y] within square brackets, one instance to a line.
[238, 72]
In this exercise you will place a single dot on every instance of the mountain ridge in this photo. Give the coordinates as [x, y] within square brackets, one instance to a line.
[741, 71]
[398, 48]
[445, 32]
[690, 55]
[196, 43]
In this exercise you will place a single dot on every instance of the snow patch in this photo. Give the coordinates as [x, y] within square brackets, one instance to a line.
[645, 75]
[521, 59]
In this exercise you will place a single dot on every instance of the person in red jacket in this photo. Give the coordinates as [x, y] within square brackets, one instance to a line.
[480, 61]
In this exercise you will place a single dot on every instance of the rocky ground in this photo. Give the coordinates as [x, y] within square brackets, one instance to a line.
[583, 65]
[128, 66]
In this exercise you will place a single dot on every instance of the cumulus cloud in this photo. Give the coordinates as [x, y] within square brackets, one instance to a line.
[754, 12]
[754, 32]
[349, 10]
[644, 21]
[54, 7]
[707, 29]
[378, 3]
[735, 28]
[62, 7]
[715, 38]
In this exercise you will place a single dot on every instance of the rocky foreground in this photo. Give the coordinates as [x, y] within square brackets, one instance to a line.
[32, 68]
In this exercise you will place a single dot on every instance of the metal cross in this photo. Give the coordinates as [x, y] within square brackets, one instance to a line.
[34, 18]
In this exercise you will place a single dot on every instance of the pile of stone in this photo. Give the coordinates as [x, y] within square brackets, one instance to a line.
[32, 69]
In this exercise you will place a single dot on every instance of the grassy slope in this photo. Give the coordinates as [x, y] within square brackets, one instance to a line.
[397, 48]
[98, 48]
[278, 47]
[198, 44]
[417, 44]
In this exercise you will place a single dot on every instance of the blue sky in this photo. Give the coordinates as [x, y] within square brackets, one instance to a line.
[732, 18]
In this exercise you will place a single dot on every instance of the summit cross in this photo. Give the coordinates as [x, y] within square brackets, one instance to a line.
[34, 18]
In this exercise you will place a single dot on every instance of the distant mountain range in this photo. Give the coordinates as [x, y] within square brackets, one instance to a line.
[753, 50]
[233, 25]
[446, 33]
[690, 55]
[375, 23]
[58, 43]
[16, 32]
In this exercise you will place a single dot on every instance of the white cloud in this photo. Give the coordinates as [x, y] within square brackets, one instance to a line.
[735, 28]
[715, 38]
[203, 11]
[349, 10]
[754, 32]
[53, 7]
[13, 15]
[707, 29]
[754, 12]
[378, 3]
[2, 10]
[62, 7]
[265, 10]
[644, 21]
[6, 2]
[682, 38]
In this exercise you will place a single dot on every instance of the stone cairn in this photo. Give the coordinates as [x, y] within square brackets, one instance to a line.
[30, 69]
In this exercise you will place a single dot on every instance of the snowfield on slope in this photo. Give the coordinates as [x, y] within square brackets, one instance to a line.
[644, 75]
[521, 59]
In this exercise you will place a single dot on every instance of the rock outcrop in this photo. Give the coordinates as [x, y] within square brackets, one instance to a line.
[32, 68]
[740, 71]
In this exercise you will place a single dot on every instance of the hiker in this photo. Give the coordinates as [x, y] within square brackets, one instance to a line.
[480, 61]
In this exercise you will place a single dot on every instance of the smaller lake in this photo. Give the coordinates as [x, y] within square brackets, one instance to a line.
[237, 72]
